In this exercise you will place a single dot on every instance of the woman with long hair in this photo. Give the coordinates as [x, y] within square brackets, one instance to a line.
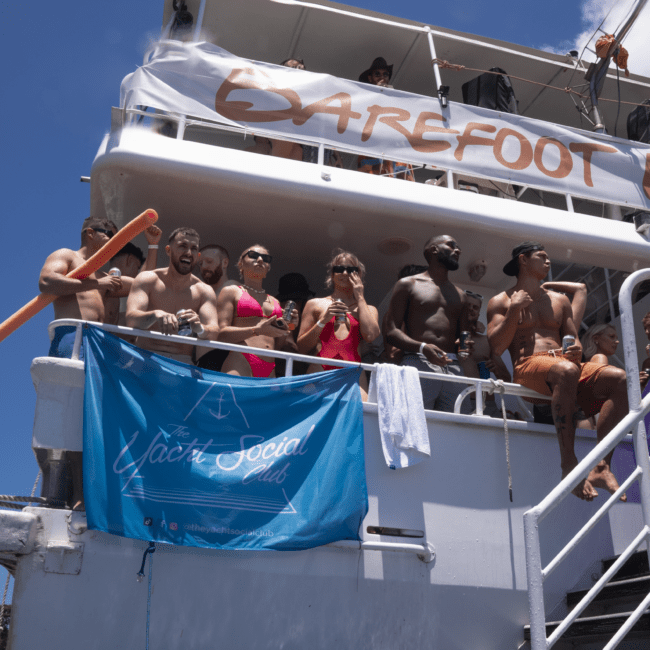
[250, 316]
[334, 327]
[599, 343]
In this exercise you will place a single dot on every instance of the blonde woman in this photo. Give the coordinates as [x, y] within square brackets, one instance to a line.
[599, 343]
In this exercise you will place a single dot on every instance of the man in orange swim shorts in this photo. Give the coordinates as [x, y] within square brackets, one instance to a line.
[530, 322]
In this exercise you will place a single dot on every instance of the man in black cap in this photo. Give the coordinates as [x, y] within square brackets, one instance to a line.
[379, 74]
[530, 322]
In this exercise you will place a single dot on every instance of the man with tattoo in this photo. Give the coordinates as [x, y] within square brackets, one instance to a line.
[424, 320]
[530, 321]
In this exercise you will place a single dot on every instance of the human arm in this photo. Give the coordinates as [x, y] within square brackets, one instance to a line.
[229, 333]
[599, 358]
[578, 293]
[53, 278]
[395, 319]
[153, 235]
[573, 352]
[503, 315]
[317, 310]
[495, 364]
[204, 324]
[368, 315]
[138, 314]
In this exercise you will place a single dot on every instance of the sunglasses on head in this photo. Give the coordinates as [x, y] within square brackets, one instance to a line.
[108, 233]
[475, 295]
[253, 255]
[342, 269]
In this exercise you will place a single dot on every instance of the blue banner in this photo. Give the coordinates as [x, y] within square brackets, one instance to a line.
[182, 455]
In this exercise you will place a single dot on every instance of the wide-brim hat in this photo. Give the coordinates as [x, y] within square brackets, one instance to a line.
[512, 267]
[294, 286]
[378, 64]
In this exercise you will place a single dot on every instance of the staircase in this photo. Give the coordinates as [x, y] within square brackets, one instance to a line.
[609, 610]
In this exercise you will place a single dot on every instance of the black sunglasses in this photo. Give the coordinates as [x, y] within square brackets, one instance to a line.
[108, 233]
[474, 295]
[253, 255]
[342, 269]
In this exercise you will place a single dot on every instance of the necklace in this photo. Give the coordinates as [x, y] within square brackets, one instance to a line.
[249, 289]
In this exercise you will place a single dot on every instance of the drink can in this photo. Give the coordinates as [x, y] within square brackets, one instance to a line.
[483, 372]
[286, 314]
[567, 342]
[116, 272]
[463, 352]
[184, 328]
[340, 318]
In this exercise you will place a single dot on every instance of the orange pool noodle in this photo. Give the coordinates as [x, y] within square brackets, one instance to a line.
[105, 253]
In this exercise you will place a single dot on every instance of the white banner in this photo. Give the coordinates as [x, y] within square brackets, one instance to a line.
[202, 80]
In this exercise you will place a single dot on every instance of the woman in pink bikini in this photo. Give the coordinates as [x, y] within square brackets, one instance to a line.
[249, 316]
[325, 335]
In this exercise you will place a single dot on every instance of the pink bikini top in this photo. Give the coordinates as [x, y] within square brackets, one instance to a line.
[247, 306]
[346, 349]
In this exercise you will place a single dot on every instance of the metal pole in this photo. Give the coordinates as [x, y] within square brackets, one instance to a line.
[180, 133]
[199, 22]
[535, 583]
[610, 299]
[436, 70]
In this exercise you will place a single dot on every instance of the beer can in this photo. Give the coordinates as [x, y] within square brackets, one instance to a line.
[463, 352]
[184, 328]
[286, 314]
[483, 372]
[567, 342]
[116, 272]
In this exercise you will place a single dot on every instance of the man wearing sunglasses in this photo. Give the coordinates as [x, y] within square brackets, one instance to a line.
[81, 299]
[425, 317]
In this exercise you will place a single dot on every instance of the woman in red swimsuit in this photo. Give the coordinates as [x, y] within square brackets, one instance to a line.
[325, 336]
[249, 316]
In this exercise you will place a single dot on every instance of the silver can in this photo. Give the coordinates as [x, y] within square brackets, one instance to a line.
[567, 342]
[184, 328]
[115, 272]
[286, 314]
[463, 351]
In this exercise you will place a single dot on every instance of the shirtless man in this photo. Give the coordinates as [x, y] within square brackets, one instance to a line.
[482, 353]
[82, 299]
[530, 322]
[213, 267]
[157, 296]
[431, 308]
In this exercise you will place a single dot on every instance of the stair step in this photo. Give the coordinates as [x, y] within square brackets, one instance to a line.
[629, 588]
[636, 565]
[597, 626]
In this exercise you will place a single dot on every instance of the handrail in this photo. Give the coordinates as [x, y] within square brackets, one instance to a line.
[476, 384]
[536, 574]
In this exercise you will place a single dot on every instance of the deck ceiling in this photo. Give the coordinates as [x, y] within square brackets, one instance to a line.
[345, 46]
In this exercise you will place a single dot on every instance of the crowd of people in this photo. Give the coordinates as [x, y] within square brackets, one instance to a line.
[430, 323]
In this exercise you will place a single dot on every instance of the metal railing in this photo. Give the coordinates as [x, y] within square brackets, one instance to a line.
[479, 386]
[536, 572]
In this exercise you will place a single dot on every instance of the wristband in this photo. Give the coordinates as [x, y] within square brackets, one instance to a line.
[319, 324]
[153, 245]
[200, 333]
[422, 347]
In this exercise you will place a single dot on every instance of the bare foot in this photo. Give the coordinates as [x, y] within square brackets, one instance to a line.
[584, 490]
[601, 477]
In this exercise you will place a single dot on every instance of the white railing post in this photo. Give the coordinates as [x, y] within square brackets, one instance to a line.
[432, 49]
[633, 387]
[535, 582]
[180, 133]
[78, 338]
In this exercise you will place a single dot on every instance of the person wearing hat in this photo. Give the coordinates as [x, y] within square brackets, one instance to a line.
[294, 286]
[379, 74]
[530, 321]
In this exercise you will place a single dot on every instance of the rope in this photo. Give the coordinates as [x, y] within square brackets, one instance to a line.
[497, 385]
[4, 598]
[150, 550]
[458, 67]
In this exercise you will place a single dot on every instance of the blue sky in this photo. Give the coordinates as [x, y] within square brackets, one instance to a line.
[63, 65]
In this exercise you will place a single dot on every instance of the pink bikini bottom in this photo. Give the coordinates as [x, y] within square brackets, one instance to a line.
[259, 367]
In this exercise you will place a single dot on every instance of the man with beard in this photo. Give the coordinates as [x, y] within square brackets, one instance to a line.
[530, 322]
[213, 265]
[157, 296]
[433, 312]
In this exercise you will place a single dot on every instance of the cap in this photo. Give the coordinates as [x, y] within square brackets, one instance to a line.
[512, 267]
[294, 286]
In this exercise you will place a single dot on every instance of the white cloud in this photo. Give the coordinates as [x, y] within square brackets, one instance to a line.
[614, 13]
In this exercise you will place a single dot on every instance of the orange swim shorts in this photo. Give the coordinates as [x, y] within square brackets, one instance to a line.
[532, 372]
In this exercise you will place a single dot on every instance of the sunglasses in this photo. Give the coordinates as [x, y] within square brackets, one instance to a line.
[343, 269]
[475, 295]
[253, 255]
[108, 233]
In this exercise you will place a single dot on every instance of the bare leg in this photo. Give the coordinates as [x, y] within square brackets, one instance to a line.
[611, 387]
[563, 378]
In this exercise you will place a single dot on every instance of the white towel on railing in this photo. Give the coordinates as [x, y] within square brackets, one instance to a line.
[402, 425]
